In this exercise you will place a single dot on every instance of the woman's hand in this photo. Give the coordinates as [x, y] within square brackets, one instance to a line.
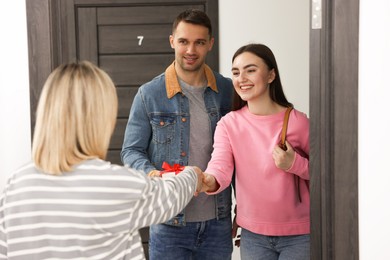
[284, 159]
[210, 184]
[235, 227]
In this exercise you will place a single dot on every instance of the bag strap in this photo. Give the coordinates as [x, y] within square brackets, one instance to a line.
[284, 147]
[282, 143]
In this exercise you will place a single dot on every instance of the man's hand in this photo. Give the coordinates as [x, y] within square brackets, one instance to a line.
[154, 173]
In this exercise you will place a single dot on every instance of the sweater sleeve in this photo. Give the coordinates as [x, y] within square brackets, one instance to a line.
[3, 241]
[299, 137]
[162, 199]
[221, 165]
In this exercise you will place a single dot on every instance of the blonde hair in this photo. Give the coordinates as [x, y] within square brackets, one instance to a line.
[76, 117]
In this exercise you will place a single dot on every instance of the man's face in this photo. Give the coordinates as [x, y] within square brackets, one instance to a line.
[191, 43]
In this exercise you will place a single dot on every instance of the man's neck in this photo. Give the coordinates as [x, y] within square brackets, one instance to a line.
[192, 78]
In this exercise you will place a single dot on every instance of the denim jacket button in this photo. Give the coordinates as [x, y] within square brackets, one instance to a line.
[183, 154]
[184, 119]
[162, 123]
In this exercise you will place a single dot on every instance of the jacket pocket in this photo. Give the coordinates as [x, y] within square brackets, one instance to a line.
[163, 128]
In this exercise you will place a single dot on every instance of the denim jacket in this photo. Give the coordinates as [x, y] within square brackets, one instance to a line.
[159, 124]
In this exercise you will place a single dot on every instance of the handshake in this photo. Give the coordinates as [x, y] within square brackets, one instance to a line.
[206, 182]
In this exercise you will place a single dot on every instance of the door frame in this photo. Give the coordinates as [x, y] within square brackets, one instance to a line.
[333, 112]
[334, 52]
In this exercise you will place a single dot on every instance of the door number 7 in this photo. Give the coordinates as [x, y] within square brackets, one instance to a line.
[140, 38]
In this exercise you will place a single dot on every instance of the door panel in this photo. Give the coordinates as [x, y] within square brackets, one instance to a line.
[159, 13]
[125, 99]
[135, 69]
[87, 34]
[117, 137]
[135, 39]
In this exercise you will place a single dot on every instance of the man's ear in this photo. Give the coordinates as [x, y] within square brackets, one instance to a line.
[171, 41]
[211, 43]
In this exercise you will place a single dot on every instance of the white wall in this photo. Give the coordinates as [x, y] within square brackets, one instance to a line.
[281, 25]
[374, 129]
[14, 89]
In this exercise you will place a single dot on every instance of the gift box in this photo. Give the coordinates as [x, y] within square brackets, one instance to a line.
[171, 170]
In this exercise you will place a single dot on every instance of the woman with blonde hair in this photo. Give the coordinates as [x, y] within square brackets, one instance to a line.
[69, 203]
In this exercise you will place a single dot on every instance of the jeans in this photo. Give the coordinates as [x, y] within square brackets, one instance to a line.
[260, 247]
[207, 240]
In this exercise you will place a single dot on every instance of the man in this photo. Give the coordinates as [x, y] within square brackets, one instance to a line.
[172, 120]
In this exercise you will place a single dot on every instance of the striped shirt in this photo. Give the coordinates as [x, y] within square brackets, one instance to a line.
[93, 212]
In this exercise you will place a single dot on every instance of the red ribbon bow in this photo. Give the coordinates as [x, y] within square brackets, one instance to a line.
[176, 168]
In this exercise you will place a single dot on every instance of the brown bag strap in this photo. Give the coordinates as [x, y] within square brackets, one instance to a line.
[284, 129]
[284, 147]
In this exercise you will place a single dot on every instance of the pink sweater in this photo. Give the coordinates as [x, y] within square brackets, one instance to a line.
[267, 200]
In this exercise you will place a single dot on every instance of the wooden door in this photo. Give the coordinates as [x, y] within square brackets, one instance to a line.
[333, 132]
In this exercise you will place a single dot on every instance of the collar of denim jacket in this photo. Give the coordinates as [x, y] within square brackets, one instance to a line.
[172, 83]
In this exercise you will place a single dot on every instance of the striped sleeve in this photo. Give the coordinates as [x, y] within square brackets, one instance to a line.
[93, 212]
[162, 199]
[3, 242]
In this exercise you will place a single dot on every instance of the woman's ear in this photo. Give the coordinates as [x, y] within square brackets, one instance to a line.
[271, 76]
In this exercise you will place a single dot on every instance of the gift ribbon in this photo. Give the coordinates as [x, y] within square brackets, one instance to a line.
[176, 168]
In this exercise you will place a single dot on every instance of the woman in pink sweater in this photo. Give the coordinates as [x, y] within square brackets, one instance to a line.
[272, 185]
